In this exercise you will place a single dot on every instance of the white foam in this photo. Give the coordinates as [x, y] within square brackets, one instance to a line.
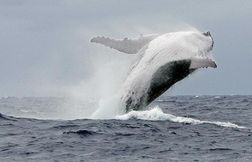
[156, 114]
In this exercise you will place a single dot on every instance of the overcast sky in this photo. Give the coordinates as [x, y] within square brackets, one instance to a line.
[45, 48]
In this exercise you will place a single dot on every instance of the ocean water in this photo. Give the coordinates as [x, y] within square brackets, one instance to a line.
[173, 128]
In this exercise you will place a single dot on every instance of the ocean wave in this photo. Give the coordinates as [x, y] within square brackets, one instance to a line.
[5, 117]
[156, 114]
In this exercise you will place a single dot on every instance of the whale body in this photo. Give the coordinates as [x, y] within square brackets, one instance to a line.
[162, 61]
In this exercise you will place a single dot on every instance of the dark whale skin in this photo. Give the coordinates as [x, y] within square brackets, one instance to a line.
[165, 76]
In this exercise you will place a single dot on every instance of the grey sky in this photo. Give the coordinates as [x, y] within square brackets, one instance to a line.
[45, 49]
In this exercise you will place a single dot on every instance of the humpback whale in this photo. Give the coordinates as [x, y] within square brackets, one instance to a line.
[162, 61]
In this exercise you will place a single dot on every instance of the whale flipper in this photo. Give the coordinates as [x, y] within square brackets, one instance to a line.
[202, 63]
[129, 46]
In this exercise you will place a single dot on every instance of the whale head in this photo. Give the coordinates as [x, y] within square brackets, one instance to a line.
[203, 44]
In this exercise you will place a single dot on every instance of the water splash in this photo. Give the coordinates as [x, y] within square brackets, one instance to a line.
[108, 108]
[156, 114]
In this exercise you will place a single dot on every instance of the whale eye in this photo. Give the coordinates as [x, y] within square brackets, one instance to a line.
[207, 34]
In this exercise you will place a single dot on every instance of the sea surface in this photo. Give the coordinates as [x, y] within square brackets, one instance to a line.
[174, 128]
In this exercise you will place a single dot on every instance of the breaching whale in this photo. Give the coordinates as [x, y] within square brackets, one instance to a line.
[162, 61]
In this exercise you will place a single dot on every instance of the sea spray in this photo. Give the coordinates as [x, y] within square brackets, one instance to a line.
[108, 108]
[101, 89]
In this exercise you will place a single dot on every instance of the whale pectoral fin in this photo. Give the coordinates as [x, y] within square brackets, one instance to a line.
[129, 46]
[202, 63]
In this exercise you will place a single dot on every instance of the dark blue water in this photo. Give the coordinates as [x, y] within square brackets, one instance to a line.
[157, 137]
